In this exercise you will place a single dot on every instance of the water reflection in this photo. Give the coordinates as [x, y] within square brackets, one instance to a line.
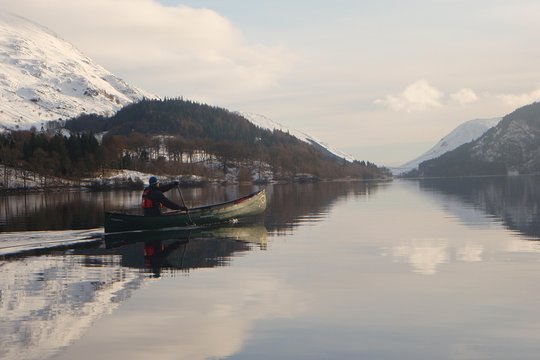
[425, 255]
[289, 205]
[50, 297]
[293, 205]
[48, 301]
[469, 219]
[514, 200]
[210, 317]
[181, 250]
[51, 211]
[84, 209]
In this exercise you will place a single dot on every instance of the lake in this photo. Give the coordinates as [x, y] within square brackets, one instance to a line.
[419, 269]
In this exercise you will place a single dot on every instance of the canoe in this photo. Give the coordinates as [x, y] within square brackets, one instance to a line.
[230, 211]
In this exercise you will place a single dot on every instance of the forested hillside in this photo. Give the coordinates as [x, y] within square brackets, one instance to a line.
[173, 136]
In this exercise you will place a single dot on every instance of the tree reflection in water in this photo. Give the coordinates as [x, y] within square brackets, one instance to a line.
[515, 200]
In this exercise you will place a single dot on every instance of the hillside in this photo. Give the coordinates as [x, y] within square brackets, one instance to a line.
[175, 136]
[513, 146]
[464, 133]
[43, 78]
[269, 124]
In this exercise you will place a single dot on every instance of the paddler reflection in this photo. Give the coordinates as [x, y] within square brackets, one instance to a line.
[156, 253]
[175, 250]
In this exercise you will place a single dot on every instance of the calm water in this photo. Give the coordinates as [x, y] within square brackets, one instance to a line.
[441, 269]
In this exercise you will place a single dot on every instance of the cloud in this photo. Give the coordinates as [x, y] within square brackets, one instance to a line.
[520, 99]
[464, 96]
[172, 51]
[419, 96]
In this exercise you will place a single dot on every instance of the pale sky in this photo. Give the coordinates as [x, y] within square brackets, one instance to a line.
[383, 80]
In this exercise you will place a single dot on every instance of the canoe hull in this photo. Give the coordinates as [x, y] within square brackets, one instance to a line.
[247, 206]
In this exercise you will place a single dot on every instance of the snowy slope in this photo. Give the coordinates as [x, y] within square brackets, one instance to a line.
[266, 123]
[43, 77]
[464, 133]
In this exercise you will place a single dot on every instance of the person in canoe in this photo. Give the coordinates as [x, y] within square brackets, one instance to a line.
[153, 198]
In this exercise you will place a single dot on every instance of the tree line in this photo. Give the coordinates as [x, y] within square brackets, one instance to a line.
[55, 155]
[171, 136]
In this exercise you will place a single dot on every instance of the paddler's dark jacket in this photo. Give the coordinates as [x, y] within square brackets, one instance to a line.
[153, 199]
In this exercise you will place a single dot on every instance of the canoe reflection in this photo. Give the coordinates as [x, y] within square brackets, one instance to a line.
[185, 249]
[49, 298]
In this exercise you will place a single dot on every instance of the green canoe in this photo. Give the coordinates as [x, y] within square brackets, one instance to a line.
[250, 205]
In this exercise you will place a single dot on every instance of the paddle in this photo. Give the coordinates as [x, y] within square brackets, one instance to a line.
[184, 203]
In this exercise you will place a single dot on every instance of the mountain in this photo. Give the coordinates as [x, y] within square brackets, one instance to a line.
[185, 132]
[269, 124]
[464, 133]
[43, 78]
[513, 146]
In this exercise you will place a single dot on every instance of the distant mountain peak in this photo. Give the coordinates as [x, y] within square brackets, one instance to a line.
[464, 133]
[511, 147]
[43, 78]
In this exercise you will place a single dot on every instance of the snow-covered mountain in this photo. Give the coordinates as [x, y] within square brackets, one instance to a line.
[266, 123]
[511, 147]
[43, 78]
[464, 133]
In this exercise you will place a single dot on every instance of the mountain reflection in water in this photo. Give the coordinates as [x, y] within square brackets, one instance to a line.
[515, 200]
[49, 297]
[48, 301]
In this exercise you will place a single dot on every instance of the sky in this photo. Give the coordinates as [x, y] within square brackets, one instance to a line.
[383, 80]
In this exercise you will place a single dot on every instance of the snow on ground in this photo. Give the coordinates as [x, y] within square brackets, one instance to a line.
[12, 178]
[17, 179]
[136, 177]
